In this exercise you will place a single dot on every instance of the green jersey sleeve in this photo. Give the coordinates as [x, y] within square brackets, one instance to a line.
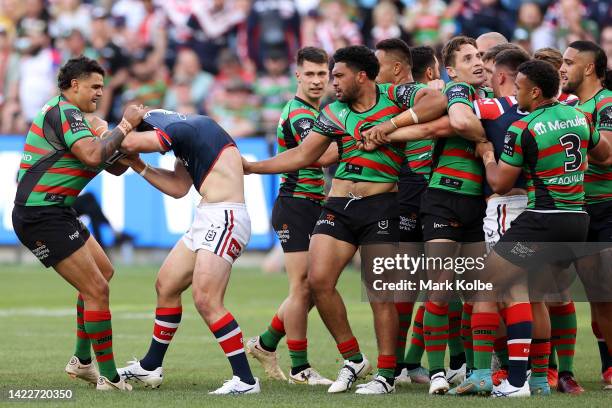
[604, 116]
[403, 95]
[459, 92]
[74, 126]
[327, 124]
[513, 148]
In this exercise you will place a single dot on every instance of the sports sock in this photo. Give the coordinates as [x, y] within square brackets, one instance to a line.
[82, 349]
[435, 331]
[501, 351]
[404, 313]
[350, 350]
[167, 321]
[540, 350]
[466, 335]
[417, 342]
[298, 352]
[228, 334]
[455, 343]
[484, 327]
[99, 329]
[519, 322]
[272, 336]
[604, 354]
[563, 335]
[386, 367]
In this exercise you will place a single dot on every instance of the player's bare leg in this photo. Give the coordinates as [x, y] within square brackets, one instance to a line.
[82, 272]
[210, 278]
[173, 278]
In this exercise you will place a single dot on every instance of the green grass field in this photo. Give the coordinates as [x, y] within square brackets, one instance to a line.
[37, 328]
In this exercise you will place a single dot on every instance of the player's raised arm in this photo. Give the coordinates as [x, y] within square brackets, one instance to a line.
[294, 159]
[93, 151]
[144, 142]
[175, 183]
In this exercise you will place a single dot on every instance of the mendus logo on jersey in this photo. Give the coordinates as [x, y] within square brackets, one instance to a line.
[542, 128]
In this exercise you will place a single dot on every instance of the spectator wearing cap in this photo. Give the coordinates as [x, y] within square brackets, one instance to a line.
[236, 112]
[147, 81]
[73, 44]
[9, 67]
[273, 89]
[70, 15]
[190, 84]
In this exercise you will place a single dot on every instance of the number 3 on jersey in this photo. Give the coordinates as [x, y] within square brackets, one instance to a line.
[571, 144]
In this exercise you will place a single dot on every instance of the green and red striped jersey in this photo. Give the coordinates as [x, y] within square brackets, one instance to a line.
[598, 179]
[296, 121]
[338, 121]
[418, 157]
[551, 144]
[49, 174]
[455, 166]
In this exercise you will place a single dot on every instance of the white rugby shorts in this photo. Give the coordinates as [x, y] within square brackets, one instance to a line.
[501, 211]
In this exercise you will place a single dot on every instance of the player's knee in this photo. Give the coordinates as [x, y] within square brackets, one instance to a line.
[108, 272]
[318, 284]
[301, 292]
[96, 292]
[206, 304]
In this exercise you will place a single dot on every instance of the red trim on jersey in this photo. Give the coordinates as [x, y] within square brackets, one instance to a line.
[371, 164]
[414, 164]
[281, 142]
[73, 172]
[459, 174]
[333, 117]
[604, 101]
[423, 149]
[41, 188]
[34, 149]
[36, 130]
[590, 177]
[459, 153]
[389, 110]
[65, 126]
[520, 124]
[165, 141]
[391, 154]
[391, 92]
[299, 111]
[558, 148]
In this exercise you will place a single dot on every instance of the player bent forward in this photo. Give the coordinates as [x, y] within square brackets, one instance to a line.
[207, 158]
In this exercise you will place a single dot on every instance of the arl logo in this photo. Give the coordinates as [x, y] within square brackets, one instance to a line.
[234, 249]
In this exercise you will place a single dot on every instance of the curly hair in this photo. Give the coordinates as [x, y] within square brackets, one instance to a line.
[358, 58]
[77, 68]
[543, 75]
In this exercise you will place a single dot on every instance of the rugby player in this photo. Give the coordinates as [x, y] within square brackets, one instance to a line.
[398, 64]
[583, 73]
[61, 155]
[362, 206]
[207, 159]
[295, 213]
[554, 212]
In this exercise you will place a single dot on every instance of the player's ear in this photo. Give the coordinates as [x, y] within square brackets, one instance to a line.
[589, 69]
[451, 72]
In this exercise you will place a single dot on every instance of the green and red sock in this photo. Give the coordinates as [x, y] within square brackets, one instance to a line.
[298, 352]
[435, 331]
[455, 343]
[272, 336]
[484, 327]
[417, 341]
[466, 334]
[404, 313]
[540, 350]
[99, 329]
[386, 367]
[350, 350]
[563, 335]
[82, 349]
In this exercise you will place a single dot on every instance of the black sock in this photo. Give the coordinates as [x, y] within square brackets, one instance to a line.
[295, 370]
[85, 362]
[457, 361]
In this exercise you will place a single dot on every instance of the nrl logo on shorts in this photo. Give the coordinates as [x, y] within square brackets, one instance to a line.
[210, 235]
[77, 116]
[383, 224]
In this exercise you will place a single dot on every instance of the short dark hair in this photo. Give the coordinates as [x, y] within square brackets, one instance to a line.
[551, 55]
[360, 58]
[599, 56]
[452, 46]
[423, 57]
[512, 58]
[397, 47]
[496, 49]
[543, 75]
[77, 68]
[312, 54]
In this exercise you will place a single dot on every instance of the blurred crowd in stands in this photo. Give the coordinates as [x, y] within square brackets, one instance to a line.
[232, 59]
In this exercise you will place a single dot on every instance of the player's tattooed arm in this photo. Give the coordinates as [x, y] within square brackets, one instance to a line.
[97, 150]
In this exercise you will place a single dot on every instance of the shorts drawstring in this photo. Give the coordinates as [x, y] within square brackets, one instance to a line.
[353, 197]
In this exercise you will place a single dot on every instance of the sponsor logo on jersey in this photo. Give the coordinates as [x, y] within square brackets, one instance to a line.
[566, 180]
[559, 125]
[75, 119]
